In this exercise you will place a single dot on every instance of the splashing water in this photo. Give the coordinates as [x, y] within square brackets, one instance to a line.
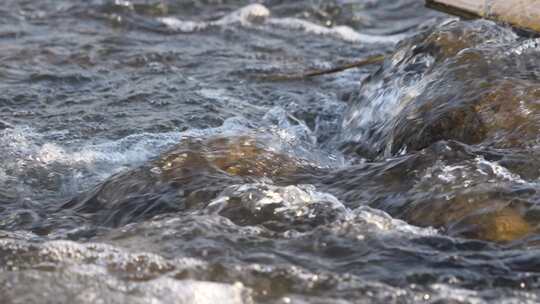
[144, 161]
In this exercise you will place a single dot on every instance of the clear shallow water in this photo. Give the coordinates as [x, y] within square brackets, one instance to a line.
[147, 159]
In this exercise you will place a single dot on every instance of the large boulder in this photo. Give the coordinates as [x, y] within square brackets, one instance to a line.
[474, 82]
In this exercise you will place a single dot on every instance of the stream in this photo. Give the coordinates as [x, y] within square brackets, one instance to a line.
[150, 155]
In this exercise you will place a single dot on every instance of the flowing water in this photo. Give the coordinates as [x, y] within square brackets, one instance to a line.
[150, 155]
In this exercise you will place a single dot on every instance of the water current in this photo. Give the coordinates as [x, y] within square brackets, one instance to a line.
[149, 155]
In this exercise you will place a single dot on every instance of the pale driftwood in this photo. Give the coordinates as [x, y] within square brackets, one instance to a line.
[524, 14]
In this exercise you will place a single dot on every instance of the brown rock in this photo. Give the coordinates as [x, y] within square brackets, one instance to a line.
[186, 178]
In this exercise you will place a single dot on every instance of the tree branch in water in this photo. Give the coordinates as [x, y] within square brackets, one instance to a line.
[377, 59]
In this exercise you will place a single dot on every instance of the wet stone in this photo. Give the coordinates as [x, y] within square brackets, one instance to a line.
[458, 81]
[277, 208]
[447, 186]
[186, 178]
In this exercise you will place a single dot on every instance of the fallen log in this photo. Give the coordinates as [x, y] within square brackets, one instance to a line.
[522, 14]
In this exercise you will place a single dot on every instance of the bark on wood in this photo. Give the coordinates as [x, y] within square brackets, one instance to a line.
[524, 14]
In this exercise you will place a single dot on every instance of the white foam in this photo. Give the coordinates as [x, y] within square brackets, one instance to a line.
[245, 16]
[258, 16]
[71, 166]
[294, 201]
[77, 165]
[183, 26]
[498, 170]
[28, 153]
[90, 270]
[23, 144]
[385, 224]
[341, 32]
[446, 292]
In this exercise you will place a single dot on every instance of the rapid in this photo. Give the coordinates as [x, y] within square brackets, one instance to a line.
[149, 156]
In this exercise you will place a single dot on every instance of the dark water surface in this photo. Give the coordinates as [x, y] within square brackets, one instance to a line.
[147, 158]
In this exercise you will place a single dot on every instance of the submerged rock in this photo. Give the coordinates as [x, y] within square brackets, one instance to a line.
[236, 156]
[502, 225]
[474, 82]
[186, 178]
[447, 186]
[277, 208]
